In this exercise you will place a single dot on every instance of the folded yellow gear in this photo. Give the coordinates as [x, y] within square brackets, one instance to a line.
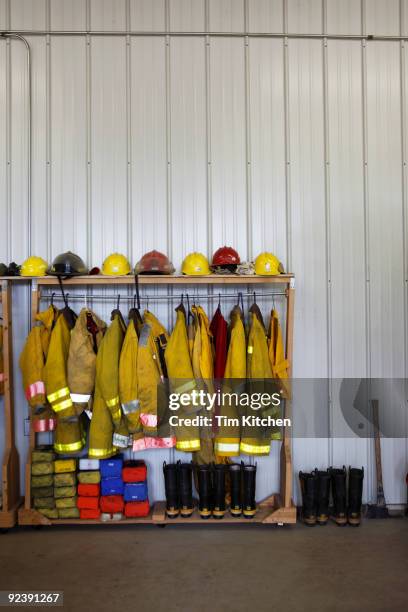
[51, 513]
[43, 492]
[44, 502]
[42, 481]
[89, 477]
[65, 480]
[68, 513]
[42, 455]
[39, 469]
[64, 465]
[66, 502]
[60, 492]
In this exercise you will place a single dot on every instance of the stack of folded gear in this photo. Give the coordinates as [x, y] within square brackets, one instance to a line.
[65, 490]
[89, 487]
[112, 504]
[42, 481]
[135, 493]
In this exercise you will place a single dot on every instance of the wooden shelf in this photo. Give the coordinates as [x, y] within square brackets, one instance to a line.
[33, 517]
[159, 279]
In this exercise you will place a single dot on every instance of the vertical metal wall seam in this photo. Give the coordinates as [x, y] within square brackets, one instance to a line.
[328, 232]
[9, 122]
[288, 208]
[370, 473]
[88, 56]
[249, 236]
[208, 128]
[404, 189]
[129, 211]
[168, 135]
[48, 153]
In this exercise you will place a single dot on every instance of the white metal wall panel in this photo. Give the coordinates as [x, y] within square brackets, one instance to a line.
[187, 15]
[188, 147]
[185, 142]
[68, 15]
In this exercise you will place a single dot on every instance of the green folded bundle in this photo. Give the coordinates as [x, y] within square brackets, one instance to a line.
[51, 513]
[42, 454]
[44, 502]
[68, 513]
[89, 477]
[66, 502]
[65, 480]
[42, 481]
[43, 492]
[40, 469]
[60, 492]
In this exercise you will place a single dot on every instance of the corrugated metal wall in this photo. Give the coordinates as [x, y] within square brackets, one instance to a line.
[295, 146]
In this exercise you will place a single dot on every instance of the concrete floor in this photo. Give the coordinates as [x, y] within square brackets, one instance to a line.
[213, 568]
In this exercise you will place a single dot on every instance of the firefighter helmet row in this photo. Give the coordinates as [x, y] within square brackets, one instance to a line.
[195, 264]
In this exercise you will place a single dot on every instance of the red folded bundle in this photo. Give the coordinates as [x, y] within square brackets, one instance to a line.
[88, 490]
[89, 503]
[88, 513]
[134, 474]
[133, 509]
[112, 503]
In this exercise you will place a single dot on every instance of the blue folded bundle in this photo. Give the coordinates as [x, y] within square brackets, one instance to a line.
[111, 468]
[135, 491]
[111, 486]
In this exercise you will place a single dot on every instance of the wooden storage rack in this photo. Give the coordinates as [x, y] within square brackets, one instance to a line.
[10, 470]
[277, 508]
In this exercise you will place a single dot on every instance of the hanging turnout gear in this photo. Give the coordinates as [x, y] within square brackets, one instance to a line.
[170, 472]
[205, 490]
[154, 262]
[69, 436]
[249, 486]
[128, 384]
[235, 472]
[66, 265]
[355, 494]
[107, 431]
[181, 380]
[338, 481]
[195, 264]
[32, 361]
[267, 264]
[185, 471]
[276, 350]
[219, 329]
[227, 442]
[34, 266]
[309, 488]
[81, 367]
[116, 265]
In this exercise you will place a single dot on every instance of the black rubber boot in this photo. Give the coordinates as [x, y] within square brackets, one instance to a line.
[235, 471]
[338, 479]
[323, 496]
[219, 491]
[355, 494]
[249, 504]
[185, 488]
[170, 472]
[308, 486]
[204, 473]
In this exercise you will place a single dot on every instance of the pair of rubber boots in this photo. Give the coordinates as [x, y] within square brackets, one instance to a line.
[315, 487]
[211, 489]
[178, 483]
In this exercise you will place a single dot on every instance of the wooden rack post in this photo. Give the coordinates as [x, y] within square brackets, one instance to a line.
[277, 508]
[10, 473]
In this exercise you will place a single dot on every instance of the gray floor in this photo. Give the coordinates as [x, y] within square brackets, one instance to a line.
[213, 568]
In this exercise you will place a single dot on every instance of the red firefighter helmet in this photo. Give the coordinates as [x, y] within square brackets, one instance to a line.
[154, 262]
[226, 257]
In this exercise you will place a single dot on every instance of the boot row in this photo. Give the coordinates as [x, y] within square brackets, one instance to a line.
[211, 484]
[315, 487]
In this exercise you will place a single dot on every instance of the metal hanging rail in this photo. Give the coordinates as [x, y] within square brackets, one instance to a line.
[84, 297]
[371, 37]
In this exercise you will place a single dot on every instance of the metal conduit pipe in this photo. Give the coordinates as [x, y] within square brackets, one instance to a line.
[369, 37]
[18, 36]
